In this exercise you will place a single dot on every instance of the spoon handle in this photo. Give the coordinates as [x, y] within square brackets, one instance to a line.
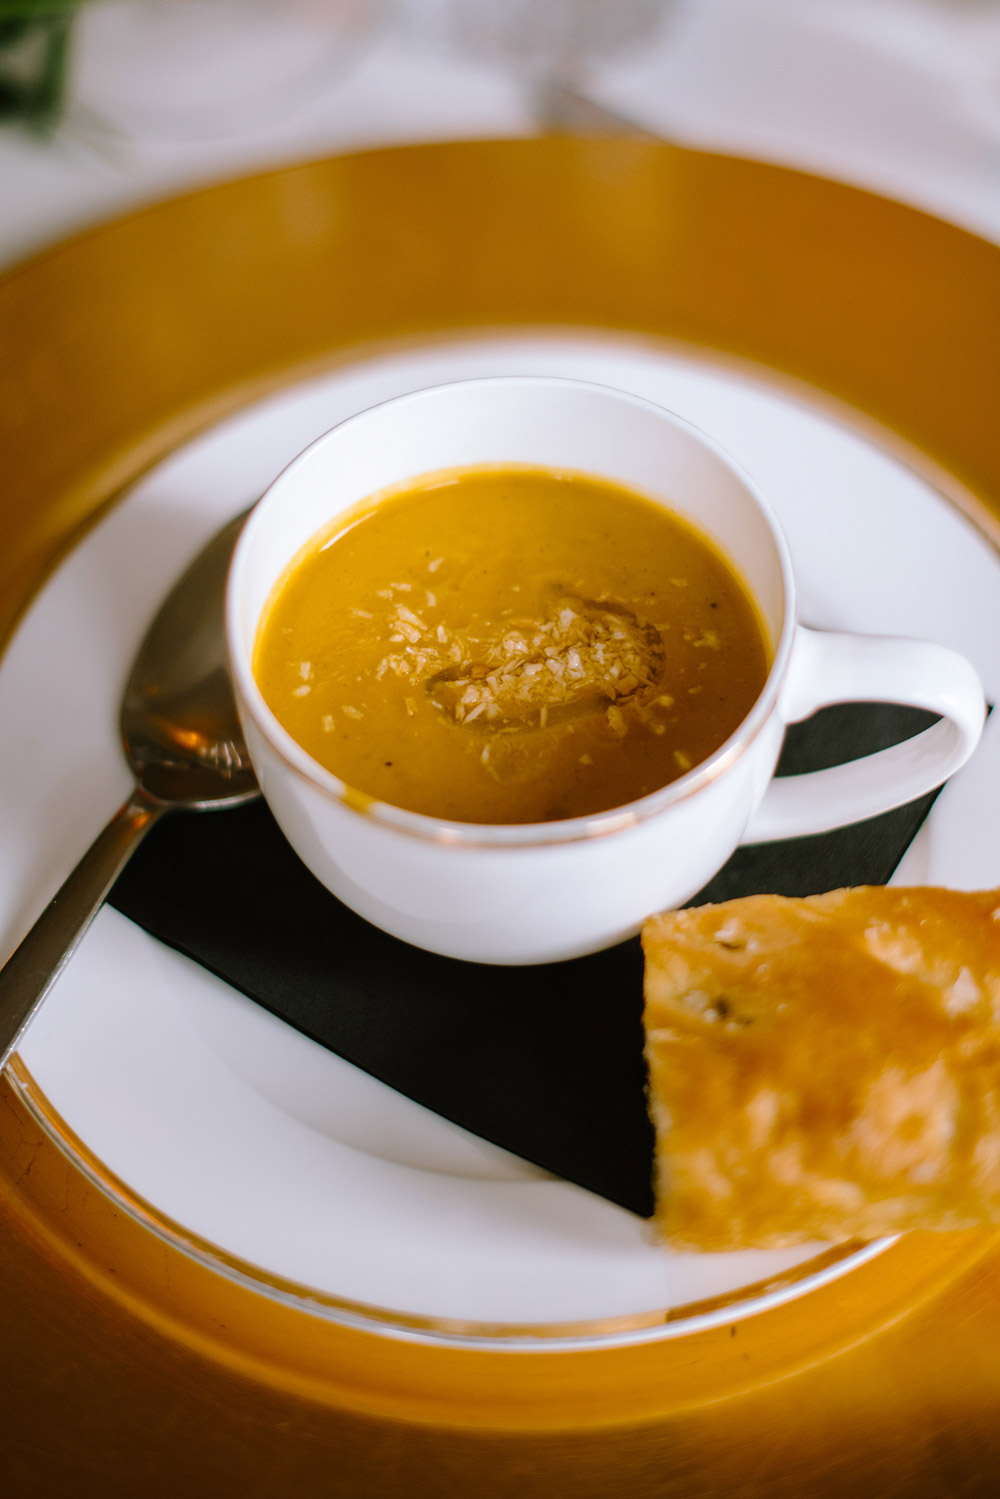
[34, 966]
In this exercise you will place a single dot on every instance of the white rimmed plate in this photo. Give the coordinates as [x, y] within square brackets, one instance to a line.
[255, 1148]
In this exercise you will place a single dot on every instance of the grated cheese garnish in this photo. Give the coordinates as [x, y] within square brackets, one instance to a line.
[576, 655]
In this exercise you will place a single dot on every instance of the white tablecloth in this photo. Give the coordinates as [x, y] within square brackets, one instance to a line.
[902, 96]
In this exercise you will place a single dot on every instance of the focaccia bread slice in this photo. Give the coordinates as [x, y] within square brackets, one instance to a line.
[824, 1068]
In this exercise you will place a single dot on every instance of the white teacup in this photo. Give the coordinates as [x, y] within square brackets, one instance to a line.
[545, 891]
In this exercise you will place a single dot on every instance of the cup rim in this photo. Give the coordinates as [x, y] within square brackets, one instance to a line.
[442, 831]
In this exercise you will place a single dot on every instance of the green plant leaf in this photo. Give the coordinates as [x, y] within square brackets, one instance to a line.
[34, 54]
[36, 10]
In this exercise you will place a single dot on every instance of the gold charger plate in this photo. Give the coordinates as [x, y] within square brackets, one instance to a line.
[120, 344]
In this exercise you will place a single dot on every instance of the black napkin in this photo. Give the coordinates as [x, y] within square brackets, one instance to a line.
[545, 1061]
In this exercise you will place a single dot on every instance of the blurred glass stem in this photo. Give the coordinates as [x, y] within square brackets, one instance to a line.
[550, 46]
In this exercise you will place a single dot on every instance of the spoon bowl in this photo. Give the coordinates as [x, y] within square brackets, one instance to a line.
[179, 725]
[182, 738]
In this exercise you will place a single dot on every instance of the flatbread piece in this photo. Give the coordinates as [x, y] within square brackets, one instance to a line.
[824, 1068]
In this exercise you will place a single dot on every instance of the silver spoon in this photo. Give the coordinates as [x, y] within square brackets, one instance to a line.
[183, 741]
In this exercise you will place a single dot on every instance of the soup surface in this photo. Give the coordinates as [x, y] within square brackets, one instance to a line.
[510, 645]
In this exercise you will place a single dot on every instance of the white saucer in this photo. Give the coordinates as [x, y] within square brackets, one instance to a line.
[254, 1148]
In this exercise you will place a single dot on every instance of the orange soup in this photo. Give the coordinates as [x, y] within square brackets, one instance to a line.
[510, 645]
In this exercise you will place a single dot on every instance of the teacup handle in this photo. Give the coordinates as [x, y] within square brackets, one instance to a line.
[832, 667]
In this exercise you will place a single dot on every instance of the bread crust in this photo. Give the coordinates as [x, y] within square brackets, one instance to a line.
[824, 1068]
